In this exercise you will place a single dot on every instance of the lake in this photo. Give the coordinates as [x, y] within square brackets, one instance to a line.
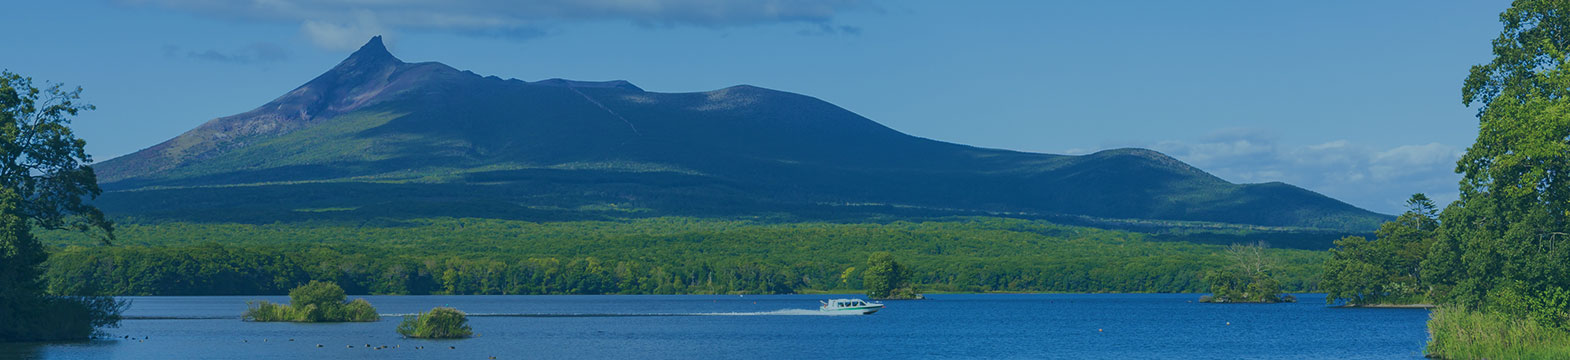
[1067, 326]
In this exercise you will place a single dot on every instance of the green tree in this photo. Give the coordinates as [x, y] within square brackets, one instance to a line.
[886, 278]
[880, 275]
[1502, 247]
[1390, 269]
[1510, 225]
[44, 176]
[42, 160]
[1352, 274]
[316, 293]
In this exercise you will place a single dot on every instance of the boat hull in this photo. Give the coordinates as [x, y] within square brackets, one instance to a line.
[863, 310]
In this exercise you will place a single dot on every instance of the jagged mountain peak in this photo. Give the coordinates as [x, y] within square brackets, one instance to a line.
[373, 53]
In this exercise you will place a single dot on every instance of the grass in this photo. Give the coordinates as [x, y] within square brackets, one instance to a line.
[1462, 334]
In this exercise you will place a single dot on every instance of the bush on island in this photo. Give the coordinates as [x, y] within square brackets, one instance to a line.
[439, 323]
[317, 301]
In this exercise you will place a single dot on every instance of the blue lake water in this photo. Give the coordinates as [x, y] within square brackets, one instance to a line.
[1035, 326]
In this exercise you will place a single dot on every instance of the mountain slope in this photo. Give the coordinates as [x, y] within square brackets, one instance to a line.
[379, 137]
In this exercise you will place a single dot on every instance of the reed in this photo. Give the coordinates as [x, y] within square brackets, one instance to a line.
[1462, 334]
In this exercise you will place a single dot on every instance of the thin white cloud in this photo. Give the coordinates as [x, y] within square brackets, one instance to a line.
[1410, 159]
[1376, 178]
[327, 22]
[256, 53]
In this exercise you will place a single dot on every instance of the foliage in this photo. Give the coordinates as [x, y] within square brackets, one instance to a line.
[317, 294]
[53, 318]
[42, 160]
[1392, 269]
[439, 323]
[1498, 262]
[1502, 246]
[317, 301]
[646, 256]
[1247, 278]
[20, 256]
[43, 178]
[886, 278]
[1458, 333]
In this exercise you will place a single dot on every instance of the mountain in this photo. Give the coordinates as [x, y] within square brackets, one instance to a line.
[376, 137]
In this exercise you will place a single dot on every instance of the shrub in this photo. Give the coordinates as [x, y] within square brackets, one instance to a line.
[316, 301]
[439, 323]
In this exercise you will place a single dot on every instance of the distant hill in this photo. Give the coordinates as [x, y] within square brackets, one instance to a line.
[376, 137]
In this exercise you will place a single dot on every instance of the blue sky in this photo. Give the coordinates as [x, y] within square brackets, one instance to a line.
[1354, 99]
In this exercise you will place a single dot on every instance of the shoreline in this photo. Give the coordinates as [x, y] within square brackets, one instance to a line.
[834, 293]
[1386, 306]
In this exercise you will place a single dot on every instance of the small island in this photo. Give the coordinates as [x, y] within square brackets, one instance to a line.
[1246, 280]
[439, 323]
[317, 301]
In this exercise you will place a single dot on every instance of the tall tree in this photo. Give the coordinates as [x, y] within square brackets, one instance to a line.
[1508, 230]
[43, 179]
[881, 275]
[886, 278]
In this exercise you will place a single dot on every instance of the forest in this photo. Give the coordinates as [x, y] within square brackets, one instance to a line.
[672, 255]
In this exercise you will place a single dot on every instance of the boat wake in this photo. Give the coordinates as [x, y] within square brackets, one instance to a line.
[781, 312]
[786, 312]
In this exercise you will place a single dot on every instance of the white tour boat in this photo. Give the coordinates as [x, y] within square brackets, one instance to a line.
[850, 305]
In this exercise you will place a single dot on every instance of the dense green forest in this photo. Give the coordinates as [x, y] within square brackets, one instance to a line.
[643, 256]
